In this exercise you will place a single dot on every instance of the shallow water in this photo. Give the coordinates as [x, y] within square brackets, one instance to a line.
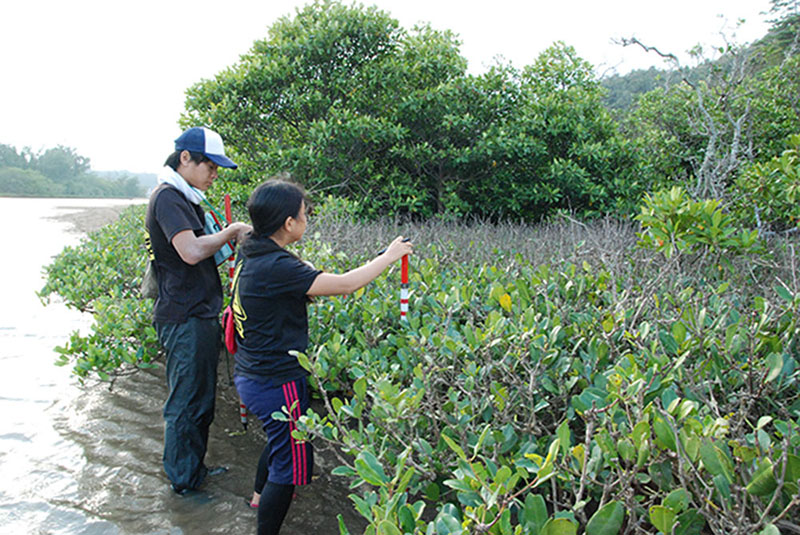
[86, 460]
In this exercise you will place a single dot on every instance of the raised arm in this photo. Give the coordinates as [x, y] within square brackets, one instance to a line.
[193, 249]
[347, 283]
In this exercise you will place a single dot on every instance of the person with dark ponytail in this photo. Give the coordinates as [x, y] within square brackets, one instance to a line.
[271, 290]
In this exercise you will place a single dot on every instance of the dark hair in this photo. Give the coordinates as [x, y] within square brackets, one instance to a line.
[271, 203]
[174, 159]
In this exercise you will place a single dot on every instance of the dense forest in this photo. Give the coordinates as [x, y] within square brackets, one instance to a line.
[604, 323]
[59, 172]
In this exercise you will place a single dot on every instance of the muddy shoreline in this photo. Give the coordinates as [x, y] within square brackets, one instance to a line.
[85, 219]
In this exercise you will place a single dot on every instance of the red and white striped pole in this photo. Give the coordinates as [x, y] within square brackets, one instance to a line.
[231, 269]
[404, 288]
[232, 258]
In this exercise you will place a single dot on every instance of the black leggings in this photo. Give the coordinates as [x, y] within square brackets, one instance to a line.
[275, 499]
[262, 471]
[272, 509]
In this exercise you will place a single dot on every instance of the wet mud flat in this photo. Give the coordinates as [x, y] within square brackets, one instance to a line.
[122, 483]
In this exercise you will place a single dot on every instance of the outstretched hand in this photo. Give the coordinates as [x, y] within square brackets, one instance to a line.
[399, 248]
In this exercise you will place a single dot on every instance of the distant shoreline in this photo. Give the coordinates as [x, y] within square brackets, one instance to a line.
[7, 196]
[86, 219]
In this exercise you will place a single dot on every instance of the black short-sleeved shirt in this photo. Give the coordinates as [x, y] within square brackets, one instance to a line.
[184, 290]
[270, 315]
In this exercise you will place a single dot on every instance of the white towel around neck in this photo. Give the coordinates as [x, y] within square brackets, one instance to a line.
[169, 176]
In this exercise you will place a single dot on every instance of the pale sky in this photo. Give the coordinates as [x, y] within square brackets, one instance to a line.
[108, 78]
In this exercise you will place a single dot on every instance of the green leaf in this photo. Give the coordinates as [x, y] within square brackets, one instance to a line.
[336, 405]
[723, 486]
[362, 506]
[640, 432]
[770, 529]
[485, 433]
[784, 293]
[679, 332]
[607, 520]
[559, 526]
[455, 447]
[664, 434]
[370, 470]
[360, 387]
[662, 518]
[432, 492]
[563, 434]
[774, 365]
[792, 474]
[502, 475]
[763, 481]
[345, 471]
[677, 500]
[387, 528]
[302, 359]
[342, 527]
[691, 523]
[447, 524]
[714, 460]
[534, 513]
[763, 421]
[406, 517]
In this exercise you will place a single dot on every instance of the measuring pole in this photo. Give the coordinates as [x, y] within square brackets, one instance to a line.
[404, 288]
[231, 269]
[232, 258]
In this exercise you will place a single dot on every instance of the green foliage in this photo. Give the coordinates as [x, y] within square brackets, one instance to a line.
[674, 224]
[659, 127]
[61, 164]
[520, 397]
[775, 107]
[506, 389]
[348, 102]
[57, 172]
[624, 90]
[102, 275]
[15, 181]
[704, 132]
[766, 195]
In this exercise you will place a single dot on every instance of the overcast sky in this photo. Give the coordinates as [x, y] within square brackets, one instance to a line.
[108, 78]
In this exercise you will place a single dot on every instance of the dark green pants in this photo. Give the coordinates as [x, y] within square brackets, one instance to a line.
[192, 355]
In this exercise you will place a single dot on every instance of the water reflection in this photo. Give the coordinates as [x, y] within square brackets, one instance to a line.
[88, 460]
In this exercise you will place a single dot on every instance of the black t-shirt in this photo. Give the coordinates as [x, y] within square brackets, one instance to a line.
[270, 315]
[184, 290]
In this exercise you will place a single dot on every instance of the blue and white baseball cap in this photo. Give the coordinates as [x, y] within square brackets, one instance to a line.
[203, 140]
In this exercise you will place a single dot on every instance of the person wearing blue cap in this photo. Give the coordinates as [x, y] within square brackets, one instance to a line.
[189, 300]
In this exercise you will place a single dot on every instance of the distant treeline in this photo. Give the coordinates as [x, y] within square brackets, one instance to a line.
[59, 172]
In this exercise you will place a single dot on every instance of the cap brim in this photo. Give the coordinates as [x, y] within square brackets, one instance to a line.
[222, 161]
